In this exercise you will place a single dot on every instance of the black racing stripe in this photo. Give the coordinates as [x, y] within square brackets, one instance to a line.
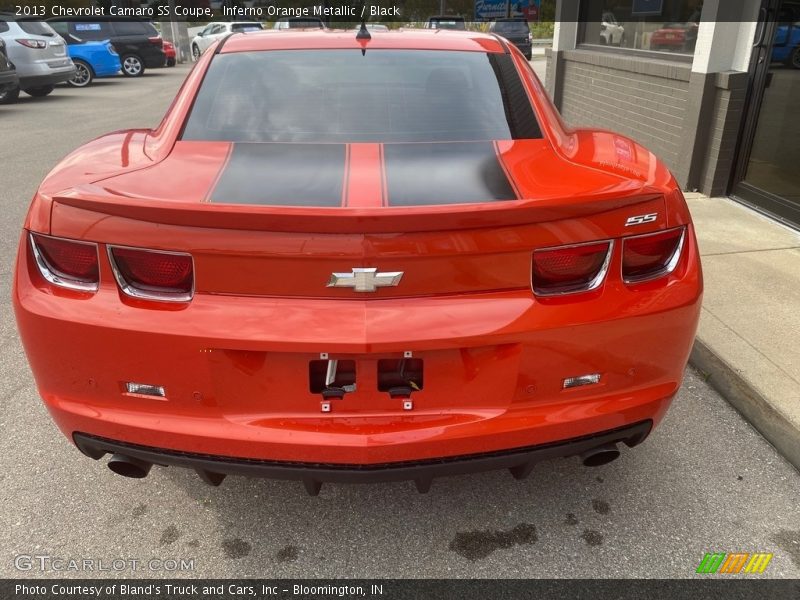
[283, 175]
[445, 173]
[519, 113]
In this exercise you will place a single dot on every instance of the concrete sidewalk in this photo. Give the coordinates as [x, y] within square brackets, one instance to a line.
[748, 343]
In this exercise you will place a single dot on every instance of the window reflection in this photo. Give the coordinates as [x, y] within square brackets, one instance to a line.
[668, 26]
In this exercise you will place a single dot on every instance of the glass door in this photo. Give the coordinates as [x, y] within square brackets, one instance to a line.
[768, 169]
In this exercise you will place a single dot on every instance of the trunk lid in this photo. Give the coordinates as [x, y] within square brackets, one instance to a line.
[279, 219]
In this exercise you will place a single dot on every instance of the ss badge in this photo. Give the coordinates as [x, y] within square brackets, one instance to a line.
[641, 219]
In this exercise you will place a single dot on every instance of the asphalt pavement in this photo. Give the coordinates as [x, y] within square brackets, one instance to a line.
[705, 480]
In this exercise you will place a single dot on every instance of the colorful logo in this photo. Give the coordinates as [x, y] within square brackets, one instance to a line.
[732, 563]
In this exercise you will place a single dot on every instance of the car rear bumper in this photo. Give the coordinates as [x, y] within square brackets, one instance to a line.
[520, 460]
[236, 369]
[107, 66]
[155, 60]
[524, 47]
[47, 77]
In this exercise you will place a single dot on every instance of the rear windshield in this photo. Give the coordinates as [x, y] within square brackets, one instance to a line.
[36, 28]
[342, 96]
[510, 27]
[92, 31]
[134, 28]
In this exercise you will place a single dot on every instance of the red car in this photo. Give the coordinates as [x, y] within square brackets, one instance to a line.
[676, 37]
[355, 259]
[169, 52]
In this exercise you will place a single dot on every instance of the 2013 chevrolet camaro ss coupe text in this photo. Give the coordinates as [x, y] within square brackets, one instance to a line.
[358, 258]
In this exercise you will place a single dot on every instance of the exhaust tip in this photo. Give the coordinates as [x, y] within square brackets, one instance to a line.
[129, 467]
[602, 455]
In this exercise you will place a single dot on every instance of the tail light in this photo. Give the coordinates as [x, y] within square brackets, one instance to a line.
[646, 257]
[66, 263]
[29, 43]
[153, 274]
[570, 269]
[156, 39]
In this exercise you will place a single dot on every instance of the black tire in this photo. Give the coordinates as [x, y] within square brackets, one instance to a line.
[9, 96]
[529, 55]
[132, 65]
[84, 75]
[195, 53]
[794, 58]
[39, 92]
[170, 62]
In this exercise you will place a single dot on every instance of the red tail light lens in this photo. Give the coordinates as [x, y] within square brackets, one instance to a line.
[66, 263]
[647, 257]
[152, 274]
[570, 269]
[157, 40]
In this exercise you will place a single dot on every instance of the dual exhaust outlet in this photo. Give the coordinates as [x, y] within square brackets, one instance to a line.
[135, 468]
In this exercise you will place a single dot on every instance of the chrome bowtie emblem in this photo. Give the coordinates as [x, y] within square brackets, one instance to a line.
[365, 280]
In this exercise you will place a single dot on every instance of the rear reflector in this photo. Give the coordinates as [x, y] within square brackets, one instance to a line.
[66, 263]
[650, 256]
[153, 274]
[570, 269]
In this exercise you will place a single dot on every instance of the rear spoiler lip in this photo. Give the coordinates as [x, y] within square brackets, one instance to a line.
[354, 220]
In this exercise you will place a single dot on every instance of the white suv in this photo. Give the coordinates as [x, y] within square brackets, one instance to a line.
[217, 30]
[39, 55]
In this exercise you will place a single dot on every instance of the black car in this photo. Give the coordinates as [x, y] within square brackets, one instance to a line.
[137, 42]
[516, 31]
[8, 75]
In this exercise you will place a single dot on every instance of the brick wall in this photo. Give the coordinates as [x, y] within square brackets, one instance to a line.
[644, 100]
[726, 117]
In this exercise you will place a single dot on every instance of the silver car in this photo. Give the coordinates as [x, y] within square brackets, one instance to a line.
[218, 30]
[39, 55]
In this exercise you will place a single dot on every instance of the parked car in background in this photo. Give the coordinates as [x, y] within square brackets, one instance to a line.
[38, 54]
[675, 37]
[611, 32]
[137, 42]
[299, 23]
[373, 27]
[516, 31]
[217, 30]
[786, 46]
[92, 59]
[8, 74]
[169, 52]
[446, 22]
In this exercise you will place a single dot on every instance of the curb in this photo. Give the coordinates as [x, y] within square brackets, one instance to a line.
[768, 420]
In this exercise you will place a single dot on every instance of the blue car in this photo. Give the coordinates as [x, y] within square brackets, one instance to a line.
[786, 46]
[92, 59]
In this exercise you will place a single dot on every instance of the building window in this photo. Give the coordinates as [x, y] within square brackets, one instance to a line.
[666, 26]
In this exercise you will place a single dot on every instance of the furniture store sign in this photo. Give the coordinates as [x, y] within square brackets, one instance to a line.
[487, 10]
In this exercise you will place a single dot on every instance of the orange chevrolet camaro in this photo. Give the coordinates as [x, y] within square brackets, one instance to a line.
[358, 258]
